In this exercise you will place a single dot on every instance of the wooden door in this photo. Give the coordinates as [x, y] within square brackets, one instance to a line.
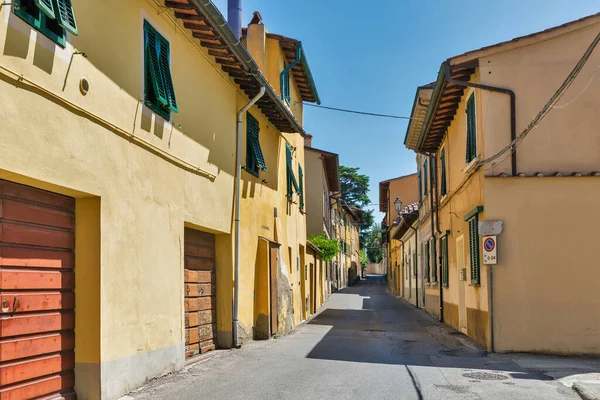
[313, 288]
[37, 282]
[200, 292]
[274, 265]
[460, 264]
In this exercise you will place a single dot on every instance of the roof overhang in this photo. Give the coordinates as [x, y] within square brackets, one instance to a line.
[441, 109]
[301, 71]
[332, 168]
[355, 212]
[383, 196]
[205, 22]
[419, 109]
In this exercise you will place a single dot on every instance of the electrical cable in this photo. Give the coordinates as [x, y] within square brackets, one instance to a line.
[360, 112]
[549, 105]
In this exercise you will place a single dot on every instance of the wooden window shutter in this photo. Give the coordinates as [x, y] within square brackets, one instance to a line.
[426, 261]
[153, 65]
[165, 66]
[434, 260]
[444, 250]
[425, 176]
[65, 15]
[301, 185]
[255, 160]
[420, 188]
[292, 184]
[47, 7]
[474, 250]
[471, 151]
[443, 188]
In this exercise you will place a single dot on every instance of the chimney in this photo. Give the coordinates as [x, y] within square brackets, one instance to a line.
[234, 16]
[308, 140]
[256, 41]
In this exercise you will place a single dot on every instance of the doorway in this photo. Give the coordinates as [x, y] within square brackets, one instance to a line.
[461, 268]
[273, 271]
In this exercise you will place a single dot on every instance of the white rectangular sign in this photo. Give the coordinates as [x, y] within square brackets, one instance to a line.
[489, 250]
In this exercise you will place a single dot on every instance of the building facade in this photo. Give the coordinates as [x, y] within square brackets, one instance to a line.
[507, 148]
[117, 190]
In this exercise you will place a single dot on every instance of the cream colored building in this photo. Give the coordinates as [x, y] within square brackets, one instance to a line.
[538, 193]
[117, 180]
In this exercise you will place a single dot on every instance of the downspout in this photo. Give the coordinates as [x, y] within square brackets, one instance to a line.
[438, 254]
[238, 179]
[513, 110]
[431, 207]
[402, 266]
[287, 69]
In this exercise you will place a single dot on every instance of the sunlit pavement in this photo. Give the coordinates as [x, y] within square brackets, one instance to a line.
[367, 344]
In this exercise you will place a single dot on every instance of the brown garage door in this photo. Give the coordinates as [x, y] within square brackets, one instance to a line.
[36, 293]
[200, 292]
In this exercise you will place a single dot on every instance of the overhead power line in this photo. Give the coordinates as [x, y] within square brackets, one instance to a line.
[360, 112]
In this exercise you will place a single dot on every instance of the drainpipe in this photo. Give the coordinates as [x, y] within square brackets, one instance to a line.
[234, 16]
[287, 69]
[431, 207]
[438, 254]
[513, 110]
[238, 179]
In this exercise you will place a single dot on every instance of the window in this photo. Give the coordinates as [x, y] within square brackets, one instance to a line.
[471, 152]
[426, 260]
[301, 187]
[425, 176]
[432, 172]
[50, 17]
[292, 184]
[159, 93]
[444, 250]
[420, 188]
[255, 160]
[434, 274]
[474, 250]
[443, 185]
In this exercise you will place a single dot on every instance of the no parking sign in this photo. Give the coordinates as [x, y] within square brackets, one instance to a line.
[490, 250]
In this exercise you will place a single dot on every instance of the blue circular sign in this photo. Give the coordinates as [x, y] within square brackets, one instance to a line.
[489, 244]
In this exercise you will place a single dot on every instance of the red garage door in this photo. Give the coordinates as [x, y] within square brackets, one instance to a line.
[200, 294]
[37, 300]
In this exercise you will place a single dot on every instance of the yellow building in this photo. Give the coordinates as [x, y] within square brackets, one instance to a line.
[404, 189]
[491, 167]
[322, 184]
[117, 179]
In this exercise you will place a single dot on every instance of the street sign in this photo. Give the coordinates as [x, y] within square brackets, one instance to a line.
[490, 250]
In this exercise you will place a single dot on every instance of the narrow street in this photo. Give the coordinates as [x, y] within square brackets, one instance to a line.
[365, 344]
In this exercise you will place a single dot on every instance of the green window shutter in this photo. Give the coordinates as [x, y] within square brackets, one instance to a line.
[165, 67]
[47, 7]
[443, 188]
[292, 184]
[426, 261]
[301, 184]
[432, 173]
[153, 65]
[474, 250]
[420, 188]
[444, 250]
[433, 261]
[425, 176]
[471, 151]
[285, 90]
[65, 15]
[255, 160]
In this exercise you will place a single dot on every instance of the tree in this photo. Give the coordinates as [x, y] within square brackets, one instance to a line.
[372, 244]
[354, 187]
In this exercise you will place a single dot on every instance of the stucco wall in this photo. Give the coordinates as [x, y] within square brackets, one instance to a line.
[546, 277]
[534, 72]
[316, 189]
[144, 198]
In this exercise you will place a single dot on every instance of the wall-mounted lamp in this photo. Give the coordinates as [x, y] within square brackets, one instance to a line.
[398, 205]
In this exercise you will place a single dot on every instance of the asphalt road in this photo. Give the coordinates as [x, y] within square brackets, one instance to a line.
[364, 344]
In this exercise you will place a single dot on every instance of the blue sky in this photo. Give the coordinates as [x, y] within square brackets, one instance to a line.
[371, 56]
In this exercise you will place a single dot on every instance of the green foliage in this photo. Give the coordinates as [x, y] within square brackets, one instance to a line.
[354, 186]
[329, 247]
[364, 260]
[372, 244]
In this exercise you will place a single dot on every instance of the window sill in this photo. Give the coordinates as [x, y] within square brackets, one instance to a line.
[472, 163]
[476, 285]
[434, 283]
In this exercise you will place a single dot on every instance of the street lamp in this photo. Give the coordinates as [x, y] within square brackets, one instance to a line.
[398, 205]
